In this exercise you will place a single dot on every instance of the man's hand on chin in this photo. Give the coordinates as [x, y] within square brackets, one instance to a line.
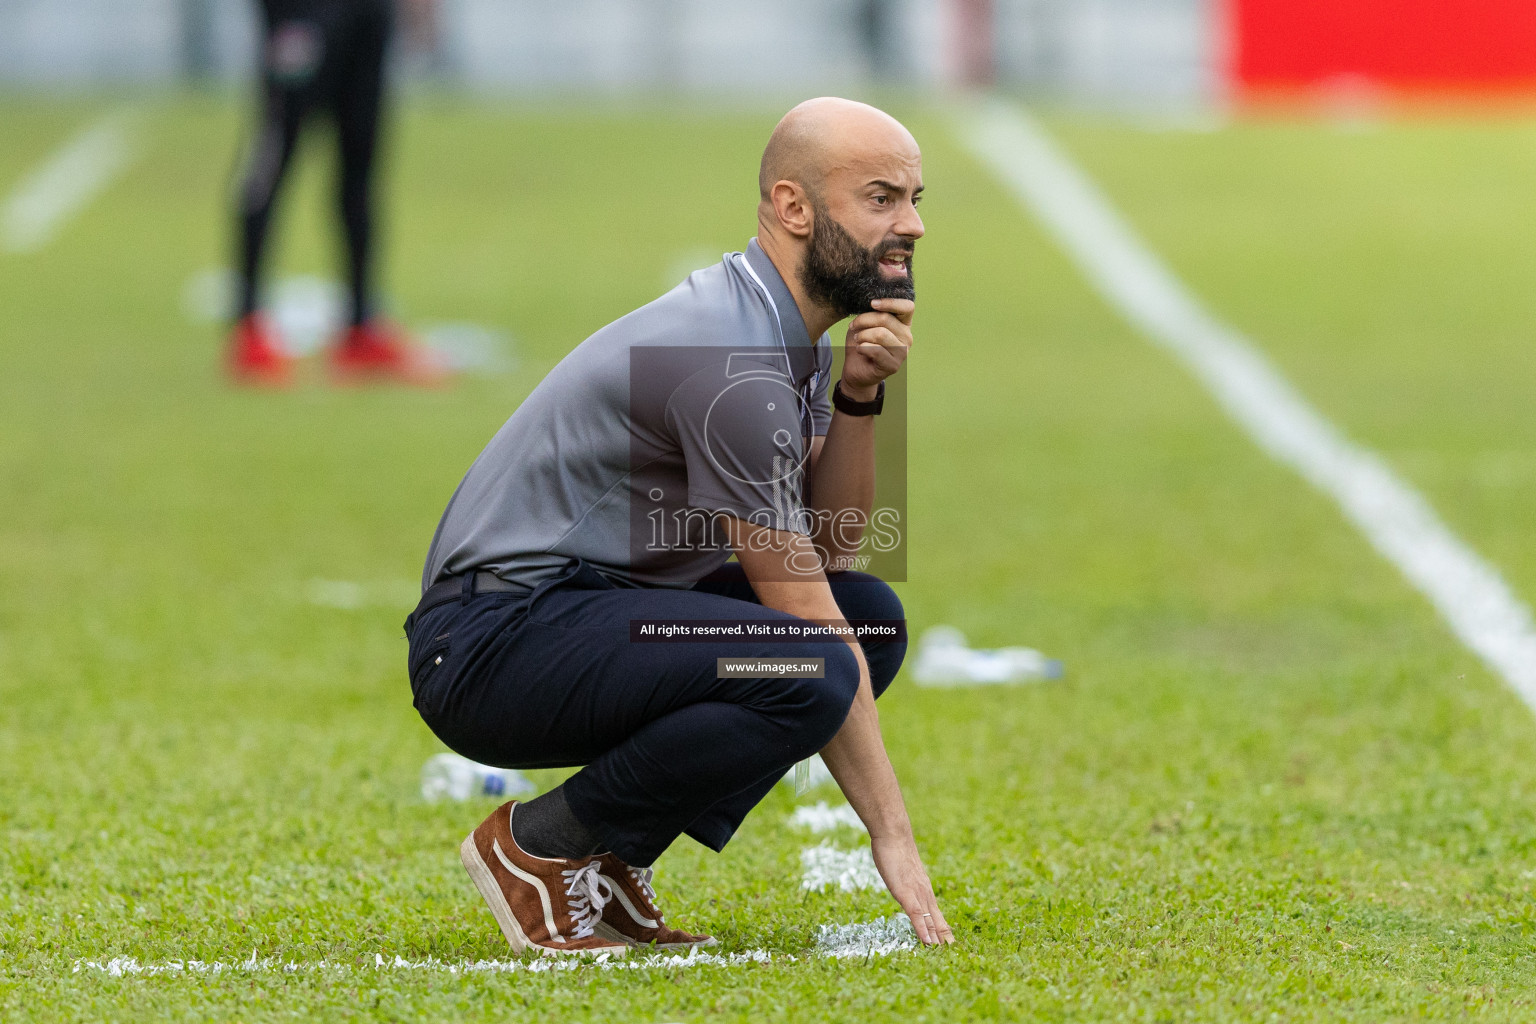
[877, 346]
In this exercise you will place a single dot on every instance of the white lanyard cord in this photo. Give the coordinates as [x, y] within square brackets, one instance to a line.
[789, 366]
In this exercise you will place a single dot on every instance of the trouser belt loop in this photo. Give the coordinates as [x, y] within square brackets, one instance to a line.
[463, 589]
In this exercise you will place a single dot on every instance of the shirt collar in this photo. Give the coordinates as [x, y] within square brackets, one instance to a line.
[795, 334]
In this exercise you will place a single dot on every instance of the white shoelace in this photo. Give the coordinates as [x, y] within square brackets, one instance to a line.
[642, 878]
[589, 893]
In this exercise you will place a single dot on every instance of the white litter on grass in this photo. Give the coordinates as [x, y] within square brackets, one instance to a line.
[305, 309]
[345, 595]
[209, 295]
[1480, 608]
[452, 777]
[825, 818]
[943, 659]
[307, 312]
[66, 182]
[871, 938]
[335, 594]
[470, 348]
[826, 866]
[820, 774]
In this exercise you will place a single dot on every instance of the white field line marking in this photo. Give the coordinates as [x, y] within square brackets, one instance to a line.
[66, 182]
[864, 939]
[825, 818]
[1468, 592]
[118, 967]
[869, 938]
[825, 866]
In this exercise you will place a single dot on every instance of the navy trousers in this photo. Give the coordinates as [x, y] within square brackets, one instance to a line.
[553, 679]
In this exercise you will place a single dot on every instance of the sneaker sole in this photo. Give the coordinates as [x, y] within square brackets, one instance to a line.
[612, 934]
[485, 884]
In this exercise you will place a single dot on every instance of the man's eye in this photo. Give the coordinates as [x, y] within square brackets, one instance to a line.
[882, 200]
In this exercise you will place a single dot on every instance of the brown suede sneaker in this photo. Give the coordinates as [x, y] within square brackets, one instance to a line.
[631, 915]
[548, 905]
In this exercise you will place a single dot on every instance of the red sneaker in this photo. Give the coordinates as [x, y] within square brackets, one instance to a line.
[379, 351]
[549, 906]
[631, 915]
[256, 354]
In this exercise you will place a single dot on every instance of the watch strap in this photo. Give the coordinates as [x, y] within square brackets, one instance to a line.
[849, 407]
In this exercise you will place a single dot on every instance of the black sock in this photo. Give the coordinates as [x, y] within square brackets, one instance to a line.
[545, 827]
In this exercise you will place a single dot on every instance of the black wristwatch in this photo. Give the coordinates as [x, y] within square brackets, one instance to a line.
[849, 407]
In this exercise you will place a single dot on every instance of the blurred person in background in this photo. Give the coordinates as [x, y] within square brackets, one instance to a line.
[324, 55]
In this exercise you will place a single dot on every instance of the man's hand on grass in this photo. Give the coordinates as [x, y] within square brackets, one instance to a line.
[902, 869]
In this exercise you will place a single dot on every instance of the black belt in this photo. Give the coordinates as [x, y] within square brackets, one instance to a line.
[453, 588]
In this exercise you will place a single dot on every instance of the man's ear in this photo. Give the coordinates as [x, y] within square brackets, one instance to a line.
[793, 208]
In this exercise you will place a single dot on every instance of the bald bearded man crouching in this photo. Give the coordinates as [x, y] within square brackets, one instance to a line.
[699, 425]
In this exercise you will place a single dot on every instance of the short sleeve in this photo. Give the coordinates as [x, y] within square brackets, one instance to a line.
[821, 398]
[740, 436]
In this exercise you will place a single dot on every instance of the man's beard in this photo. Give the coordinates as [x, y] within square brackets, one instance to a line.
[842, 275]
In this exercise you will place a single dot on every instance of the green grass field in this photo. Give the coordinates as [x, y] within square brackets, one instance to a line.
[1272, 786]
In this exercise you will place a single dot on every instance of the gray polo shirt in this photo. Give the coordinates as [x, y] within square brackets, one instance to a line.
[698, 405]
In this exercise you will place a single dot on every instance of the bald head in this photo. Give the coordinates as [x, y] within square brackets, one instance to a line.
[820, 135]
[840, 182]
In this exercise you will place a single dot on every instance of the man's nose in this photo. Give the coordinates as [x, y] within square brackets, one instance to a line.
[910, 225]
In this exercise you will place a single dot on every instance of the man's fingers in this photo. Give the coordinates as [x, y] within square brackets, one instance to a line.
[941, 932]
[904, 876]
[867, 320]
[931, 928]
[879, 336]
[864, 321]
[902, 309]
[881, 356]
[920, 912]
[926, 917]
[932, 916]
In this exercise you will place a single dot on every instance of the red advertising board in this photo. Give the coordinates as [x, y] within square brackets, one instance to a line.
[1416, 46]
